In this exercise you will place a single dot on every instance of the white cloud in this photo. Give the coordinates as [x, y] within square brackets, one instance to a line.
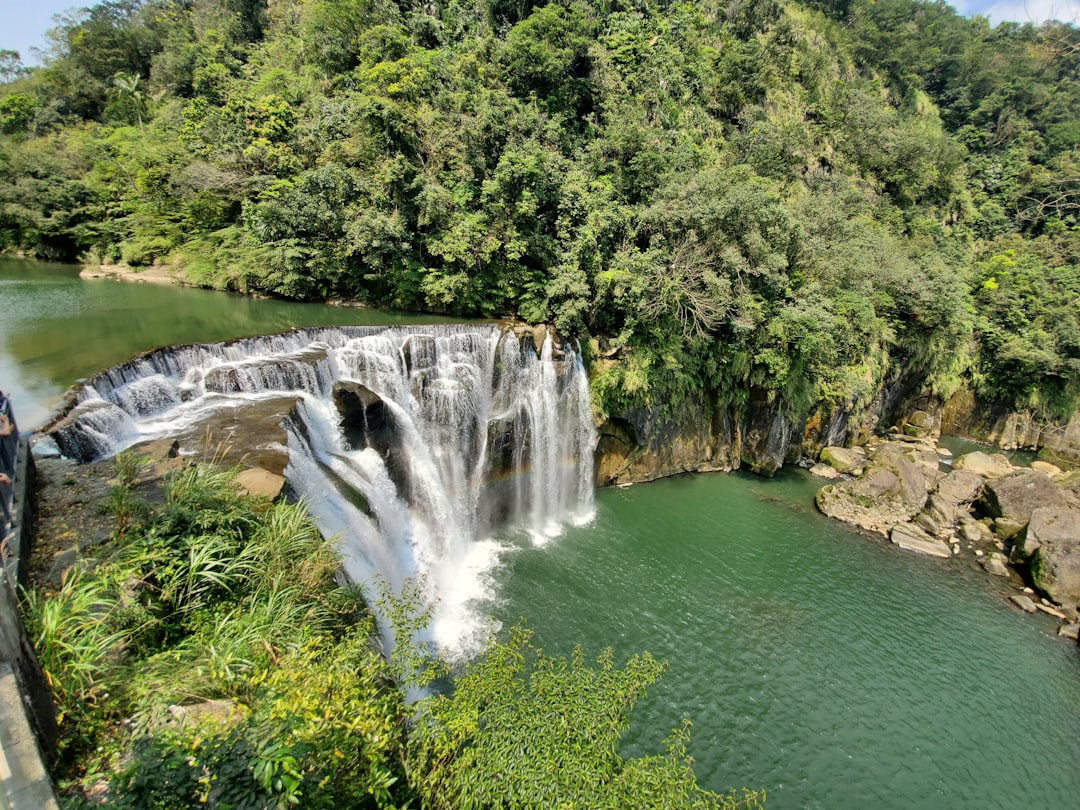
[1021, 11]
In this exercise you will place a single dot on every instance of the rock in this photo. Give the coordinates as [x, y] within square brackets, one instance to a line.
[1046, 524]
[1006, 528]
[260, 483]
[1045, 466]
[919, 424]
[944, 452]
[63, 562]
[959, 487]
[891, 490]
[824, 471]
[927, 524]
[1049, 610]
[1070, 631]
[226, 713]
[912, 538]
[973, 531]
[995, 563]
[844, 459]
[1023, 601]
[1016, 495]
[767, 432]
[1053, 541]
[983, 464]
[645, 444]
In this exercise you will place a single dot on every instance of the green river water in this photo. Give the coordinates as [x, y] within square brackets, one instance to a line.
[831, 669]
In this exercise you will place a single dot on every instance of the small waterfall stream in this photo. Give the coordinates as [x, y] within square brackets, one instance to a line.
[420, 448]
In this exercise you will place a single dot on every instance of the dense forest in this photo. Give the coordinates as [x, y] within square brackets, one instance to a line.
[794, 198]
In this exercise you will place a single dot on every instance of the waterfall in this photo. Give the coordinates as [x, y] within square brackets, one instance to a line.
[421, 449]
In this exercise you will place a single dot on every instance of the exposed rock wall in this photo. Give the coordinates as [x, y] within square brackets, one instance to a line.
[965, 415]
[645, 444]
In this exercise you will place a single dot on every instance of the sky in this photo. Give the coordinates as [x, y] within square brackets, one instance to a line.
[23, 23]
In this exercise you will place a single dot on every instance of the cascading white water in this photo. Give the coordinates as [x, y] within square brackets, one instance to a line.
[455, 436]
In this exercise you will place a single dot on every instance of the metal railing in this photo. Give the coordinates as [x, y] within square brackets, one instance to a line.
[9, 454]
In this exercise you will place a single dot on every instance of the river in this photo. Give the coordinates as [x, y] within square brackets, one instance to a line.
[832, 670]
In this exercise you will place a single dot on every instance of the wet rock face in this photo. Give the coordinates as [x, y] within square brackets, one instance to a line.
[766, 436]
[645, 444]
[364, 415]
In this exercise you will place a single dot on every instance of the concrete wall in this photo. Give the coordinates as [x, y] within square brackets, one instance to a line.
[27, 716]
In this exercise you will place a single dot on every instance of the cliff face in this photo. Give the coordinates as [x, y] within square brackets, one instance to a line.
[964, 415]
[644, 444]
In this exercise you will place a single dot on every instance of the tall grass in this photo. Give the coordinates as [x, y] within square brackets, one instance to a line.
[189, 603]
[78, 643]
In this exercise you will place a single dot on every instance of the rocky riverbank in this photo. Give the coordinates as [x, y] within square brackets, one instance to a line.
[154, 274]
[1019, 523]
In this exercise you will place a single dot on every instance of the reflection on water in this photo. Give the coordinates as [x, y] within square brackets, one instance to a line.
[828, 667]
[56, 328]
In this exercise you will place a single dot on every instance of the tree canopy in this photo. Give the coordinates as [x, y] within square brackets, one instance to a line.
[791, 197]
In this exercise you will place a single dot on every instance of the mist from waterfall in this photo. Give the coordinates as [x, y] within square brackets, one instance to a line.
[422, 450]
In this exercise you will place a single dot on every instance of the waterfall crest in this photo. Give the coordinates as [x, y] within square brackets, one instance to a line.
[418, 447]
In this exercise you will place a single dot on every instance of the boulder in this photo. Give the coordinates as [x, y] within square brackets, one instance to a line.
[891, 490]
[929, 523]
[1007, 528]
[844, 459]
[912, 538]
[260, 483]
[973, 531]
[919, 424]
[959, 487]
[1023, 601]
[1070, 631]
[1053, 541]
[950, 502]
[824, 471]
[1045, 466]
[995, 563]
[1016, 495]
[988, 466]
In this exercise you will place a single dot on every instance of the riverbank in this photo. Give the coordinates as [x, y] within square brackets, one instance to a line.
[1016, 522]
[154, 274]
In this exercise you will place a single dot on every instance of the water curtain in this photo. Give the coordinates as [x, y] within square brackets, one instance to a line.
[422, 449]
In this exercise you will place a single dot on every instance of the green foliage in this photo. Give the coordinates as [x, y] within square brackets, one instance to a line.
[245, 678]
[522, 729]
[791, 197]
